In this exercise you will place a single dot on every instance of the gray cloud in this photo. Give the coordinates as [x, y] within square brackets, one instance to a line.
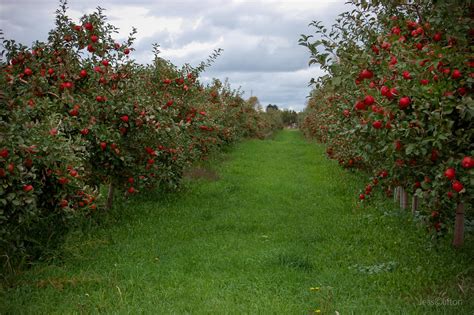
[259, 38]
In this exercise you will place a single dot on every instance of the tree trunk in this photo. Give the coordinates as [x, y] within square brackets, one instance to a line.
[110, 196]
[459, 226]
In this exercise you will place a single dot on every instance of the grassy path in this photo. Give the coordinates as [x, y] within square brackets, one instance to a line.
[280, 220]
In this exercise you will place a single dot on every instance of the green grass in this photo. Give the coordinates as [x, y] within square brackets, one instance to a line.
[281, 219]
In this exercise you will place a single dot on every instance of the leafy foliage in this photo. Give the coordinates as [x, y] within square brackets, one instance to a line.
[78, 113]
[397, 98]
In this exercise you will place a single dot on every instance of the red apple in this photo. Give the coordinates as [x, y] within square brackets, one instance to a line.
[150, 151]
[398, 145]
[27, 188]
[4, 153]
[377, 124]
[369, 100]
[434, 155]
[450, 173]
[366, 74]
[67, 85]
[88, 26]
[100, 98]
[393, 61]
[457, 186]
[63, 180]
[396, 30]
[404, 102]
[456, 74]
[360, 106]
[74, 112]
[467, 162]
[385, 91]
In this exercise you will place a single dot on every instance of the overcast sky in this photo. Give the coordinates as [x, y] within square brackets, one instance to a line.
[260, 38]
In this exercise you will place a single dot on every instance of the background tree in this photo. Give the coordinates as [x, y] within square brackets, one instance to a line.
[271, 107]
[289, 117]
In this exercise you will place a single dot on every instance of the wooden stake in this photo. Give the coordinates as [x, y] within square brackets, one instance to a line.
[414, 204]
[396, 194]
[403, 199]
[110, 196]
[458, 239]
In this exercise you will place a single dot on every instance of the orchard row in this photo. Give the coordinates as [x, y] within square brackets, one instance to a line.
[77, 114]
[397, 101]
